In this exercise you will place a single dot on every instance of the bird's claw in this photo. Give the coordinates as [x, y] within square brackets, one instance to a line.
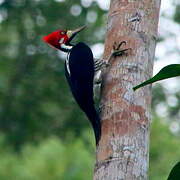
[116, 49]
[117, 46]
[100, 108]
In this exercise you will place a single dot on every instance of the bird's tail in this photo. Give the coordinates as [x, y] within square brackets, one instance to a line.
[94, 118]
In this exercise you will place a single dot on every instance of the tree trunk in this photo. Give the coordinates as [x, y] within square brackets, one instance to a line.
[123, 151]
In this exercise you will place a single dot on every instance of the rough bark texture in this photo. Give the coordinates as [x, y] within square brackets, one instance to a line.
[123, 151]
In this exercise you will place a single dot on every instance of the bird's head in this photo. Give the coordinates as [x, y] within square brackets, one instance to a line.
[59, 37]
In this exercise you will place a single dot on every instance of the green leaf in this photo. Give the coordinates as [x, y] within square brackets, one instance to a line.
[169, 71]
[175, 172]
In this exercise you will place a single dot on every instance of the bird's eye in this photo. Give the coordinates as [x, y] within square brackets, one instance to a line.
[62, 32]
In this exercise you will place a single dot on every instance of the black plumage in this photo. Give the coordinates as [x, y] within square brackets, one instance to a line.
[80, 76]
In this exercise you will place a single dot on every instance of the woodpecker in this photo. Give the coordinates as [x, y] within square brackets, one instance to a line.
[80, 68]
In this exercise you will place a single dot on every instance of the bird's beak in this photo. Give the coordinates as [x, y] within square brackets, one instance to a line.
[72, 34]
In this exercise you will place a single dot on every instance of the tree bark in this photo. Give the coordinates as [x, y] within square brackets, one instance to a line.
[123, 151]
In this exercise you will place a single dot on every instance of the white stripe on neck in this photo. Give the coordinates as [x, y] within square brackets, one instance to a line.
[67, 64]
[66, 47]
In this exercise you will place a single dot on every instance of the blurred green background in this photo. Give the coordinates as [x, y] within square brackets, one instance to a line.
[43, 134]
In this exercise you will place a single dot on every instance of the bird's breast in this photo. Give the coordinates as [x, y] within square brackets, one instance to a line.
[80, 61]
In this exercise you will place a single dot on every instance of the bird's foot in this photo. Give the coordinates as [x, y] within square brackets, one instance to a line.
[117, 51]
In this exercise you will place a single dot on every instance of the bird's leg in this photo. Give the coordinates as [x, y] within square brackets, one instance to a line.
[99, 64]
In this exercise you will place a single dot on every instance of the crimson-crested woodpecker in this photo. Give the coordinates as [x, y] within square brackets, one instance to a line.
[80, 67]
[79, 71]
